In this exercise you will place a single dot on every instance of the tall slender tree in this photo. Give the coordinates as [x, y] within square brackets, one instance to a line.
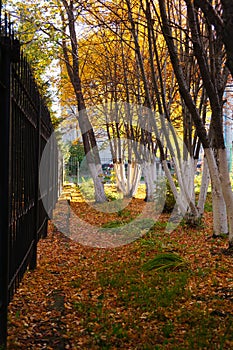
[214, 86]
[71, 56]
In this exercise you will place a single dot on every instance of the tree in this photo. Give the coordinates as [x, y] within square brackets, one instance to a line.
[76, 156]
[177, 75]
[220, 15]
[214, 86]
[61, 35]
[71, 56]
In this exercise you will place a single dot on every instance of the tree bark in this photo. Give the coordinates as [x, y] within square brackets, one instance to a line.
[88, 136]
[227, 190]
[212, 94]
[227, 34]
[205, 180]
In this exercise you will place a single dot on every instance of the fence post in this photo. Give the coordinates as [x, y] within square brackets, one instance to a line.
[33, 260]
[0, 14]
[5, 178]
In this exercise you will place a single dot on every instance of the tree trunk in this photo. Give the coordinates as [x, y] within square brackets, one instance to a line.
[119, 169]
[96, 171]
[133, 178]
[227, 190]
[150, 177]
[214, 94]
[89, 141]
[228, 31]
[205, 180]
[219, 207]
[181, 204]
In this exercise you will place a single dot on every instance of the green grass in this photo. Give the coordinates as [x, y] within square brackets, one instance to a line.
[150, 299]
[149, 293]
[125, 213]
[160, 292]
[199, 334]
[163, 288]
[165, 261]
[113, 224]
[208, 207]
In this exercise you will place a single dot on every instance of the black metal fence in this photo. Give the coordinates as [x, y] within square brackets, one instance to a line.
[25, 128]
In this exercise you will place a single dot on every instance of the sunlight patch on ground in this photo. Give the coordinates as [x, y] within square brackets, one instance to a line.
[72, 193]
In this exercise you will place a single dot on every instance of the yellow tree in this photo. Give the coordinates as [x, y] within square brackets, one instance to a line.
[213, 70]
[57, 21]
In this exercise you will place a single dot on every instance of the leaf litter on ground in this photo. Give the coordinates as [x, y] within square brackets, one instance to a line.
[80, 297]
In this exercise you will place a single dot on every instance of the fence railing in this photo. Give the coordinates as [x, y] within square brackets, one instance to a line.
[25, 128]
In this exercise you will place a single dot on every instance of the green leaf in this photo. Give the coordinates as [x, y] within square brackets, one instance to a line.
[165, 261]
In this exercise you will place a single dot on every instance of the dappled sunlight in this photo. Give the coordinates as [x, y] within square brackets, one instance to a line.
[116, 222]
[99, 213]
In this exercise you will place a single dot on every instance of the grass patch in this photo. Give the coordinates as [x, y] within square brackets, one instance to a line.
[113, 224]
[124, 213]
[165, 261]
[199, 335]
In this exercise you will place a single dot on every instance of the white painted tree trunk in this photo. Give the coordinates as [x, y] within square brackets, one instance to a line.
[181, 204]
[205, 180]
[185, 172]
[219, 208]
[185, 169]
[119, 169]
[128, 185]
[186, 178]
[152, 173]
[149, 170]
[96, 174]
[226, 190]
[219, 212]
[133, 178]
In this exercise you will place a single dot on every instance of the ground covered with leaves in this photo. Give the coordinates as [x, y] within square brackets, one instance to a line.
[81, 297]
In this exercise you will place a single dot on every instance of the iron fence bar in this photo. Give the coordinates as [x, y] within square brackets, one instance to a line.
[0, 15]
[11, 283]
[5, 178]
[24, 131]
[33, 261]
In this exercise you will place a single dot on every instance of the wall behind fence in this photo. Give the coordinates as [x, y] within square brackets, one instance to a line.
[24, 132]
